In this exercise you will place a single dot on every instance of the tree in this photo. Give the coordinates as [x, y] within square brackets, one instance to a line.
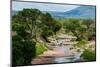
[56, 26]
[74, 26]
[49, 25]
[23, 47]
[90, 32]
[23, 51]
[23, 26]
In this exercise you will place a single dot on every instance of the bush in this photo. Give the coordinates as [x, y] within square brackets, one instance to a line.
[23, 51]
[81, 43]
[89, 55]
[29, 51]
[39, 49]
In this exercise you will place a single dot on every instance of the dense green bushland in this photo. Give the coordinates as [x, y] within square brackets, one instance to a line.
[83, 29]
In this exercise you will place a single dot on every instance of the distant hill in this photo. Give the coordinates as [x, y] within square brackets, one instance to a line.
[79, 12]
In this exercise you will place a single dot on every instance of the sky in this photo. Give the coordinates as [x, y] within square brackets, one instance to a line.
[42, 6]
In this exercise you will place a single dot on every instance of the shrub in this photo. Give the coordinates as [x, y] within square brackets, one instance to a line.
[39, 49]
[89, 55]
[81, 43]
[23, 51]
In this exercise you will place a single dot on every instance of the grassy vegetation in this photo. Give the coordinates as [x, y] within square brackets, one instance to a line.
[40, 49]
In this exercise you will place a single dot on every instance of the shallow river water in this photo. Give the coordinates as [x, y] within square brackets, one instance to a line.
[66, 49]
[64, 59]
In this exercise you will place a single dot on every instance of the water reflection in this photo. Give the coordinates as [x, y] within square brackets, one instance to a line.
[62, 60]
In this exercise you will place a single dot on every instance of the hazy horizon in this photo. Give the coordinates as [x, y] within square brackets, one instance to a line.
[17, 6]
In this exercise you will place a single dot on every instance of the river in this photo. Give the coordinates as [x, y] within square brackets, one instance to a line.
[67, 55]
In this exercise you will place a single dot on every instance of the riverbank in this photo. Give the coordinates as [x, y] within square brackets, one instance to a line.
[50, 55]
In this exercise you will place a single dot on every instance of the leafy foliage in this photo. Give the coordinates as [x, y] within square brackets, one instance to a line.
[23, 51]
[27, 26]
[39, 49]
[23, 45]
[81, 28]
[81, 43]
[89, 55]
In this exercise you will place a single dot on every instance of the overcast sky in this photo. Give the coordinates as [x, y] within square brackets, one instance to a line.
[43, 6]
